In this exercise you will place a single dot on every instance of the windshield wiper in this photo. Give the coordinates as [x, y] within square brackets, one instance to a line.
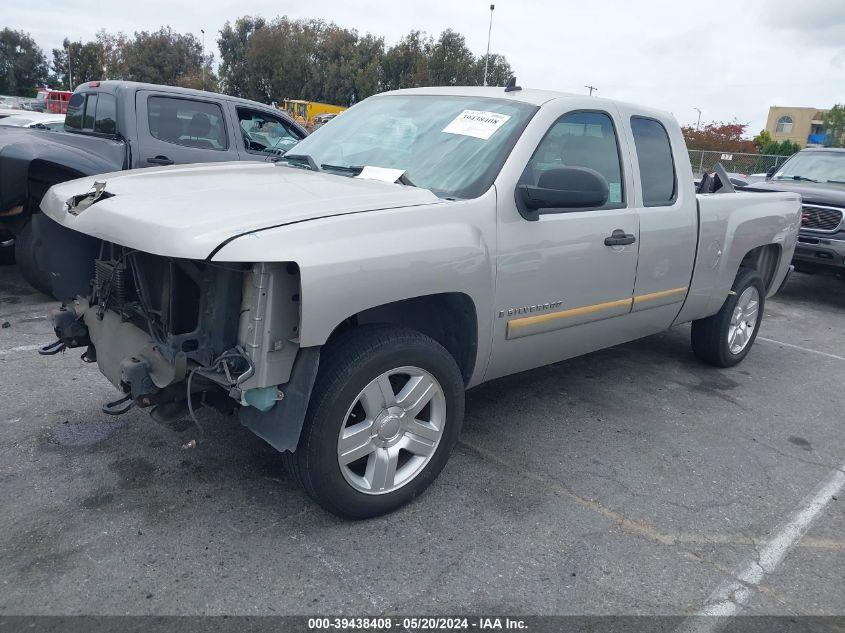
[302, 158]
[837, 182]
[801, 178]
[351, 169]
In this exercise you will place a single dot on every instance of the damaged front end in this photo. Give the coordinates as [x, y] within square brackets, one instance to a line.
[174, 335]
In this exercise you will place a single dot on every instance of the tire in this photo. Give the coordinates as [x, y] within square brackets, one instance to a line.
[351, 367]
[7, 253]
[713, 338]
[24, 257]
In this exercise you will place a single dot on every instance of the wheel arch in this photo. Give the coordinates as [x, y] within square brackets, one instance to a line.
[450, 318]
[765, 260]
[43, 174]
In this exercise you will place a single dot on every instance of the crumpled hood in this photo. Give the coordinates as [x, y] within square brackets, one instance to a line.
[187, 211]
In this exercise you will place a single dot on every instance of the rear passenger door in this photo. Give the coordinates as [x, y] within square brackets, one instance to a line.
[173, 129]
[668, 220]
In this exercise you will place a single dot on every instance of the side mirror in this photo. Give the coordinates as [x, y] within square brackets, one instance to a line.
[772, 171]
[562, 188]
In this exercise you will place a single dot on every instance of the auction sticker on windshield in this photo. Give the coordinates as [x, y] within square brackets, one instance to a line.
[476, 123]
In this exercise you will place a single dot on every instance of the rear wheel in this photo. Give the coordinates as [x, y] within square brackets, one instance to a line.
[385, 413]
[725, 338]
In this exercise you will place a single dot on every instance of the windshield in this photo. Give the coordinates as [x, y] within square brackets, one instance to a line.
[454, 146]
[814, 167]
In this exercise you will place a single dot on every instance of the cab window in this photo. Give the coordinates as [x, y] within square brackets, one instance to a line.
[581, 139]
[264, 133]
[657, 167]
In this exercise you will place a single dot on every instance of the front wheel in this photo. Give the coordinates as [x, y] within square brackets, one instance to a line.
[25, 258]
[385, 414]
[725, 338]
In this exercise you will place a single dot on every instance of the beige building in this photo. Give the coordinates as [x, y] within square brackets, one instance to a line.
[799, 125]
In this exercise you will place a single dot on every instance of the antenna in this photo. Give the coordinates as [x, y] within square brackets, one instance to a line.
[512, 87]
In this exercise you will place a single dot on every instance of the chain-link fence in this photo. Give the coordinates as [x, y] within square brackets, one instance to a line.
[747, 164]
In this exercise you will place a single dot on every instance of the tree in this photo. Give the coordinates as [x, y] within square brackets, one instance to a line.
[834, 126]
[451, 63]
[367, 64]
[406, 62]
[765, 144]
[499, 71]
[87, 63]
[321, 61]
[719, 136]
[233, 43]
[23, 66]
[166, 57]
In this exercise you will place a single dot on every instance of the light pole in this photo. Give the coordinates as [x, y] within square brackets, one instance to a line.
[203, 58]
[69, 71]
[697, 123]
[591, 88]
[489, 31]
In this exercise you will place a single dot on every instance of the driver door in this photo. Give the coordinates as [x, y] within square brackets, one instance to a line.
[262, 135]
[561, 290]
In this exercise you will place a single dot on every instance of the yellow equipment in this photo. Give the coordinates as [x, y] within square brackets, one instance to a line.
[305, 111]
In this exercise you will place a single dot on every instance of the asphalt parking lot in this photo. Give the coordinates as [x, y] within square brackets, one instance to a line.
[631, 481]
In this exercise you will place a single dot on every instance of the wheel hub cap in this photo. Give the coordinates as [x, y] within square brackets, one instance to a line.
[391, 430]
[744, 320]
[389, 427]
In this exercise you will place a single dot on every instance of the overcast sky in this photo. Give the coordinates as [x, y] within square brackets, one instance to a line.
[730, 59]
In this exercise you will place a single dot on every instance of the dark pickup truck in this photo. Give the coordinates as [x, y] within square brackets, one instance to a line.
[117, 125]
[818, 174]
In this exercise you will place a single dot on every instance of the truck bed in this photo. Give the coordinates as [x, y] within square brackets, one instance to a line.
[730, 226]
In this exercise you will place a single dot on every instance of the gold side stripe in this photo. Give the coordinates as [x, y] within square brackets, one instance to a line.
[597, 307]
[563, 314]
[658, 295]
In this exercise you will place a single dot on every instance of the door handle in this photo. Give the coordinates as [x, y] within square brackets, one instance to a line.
[619, 238]
[160, 160]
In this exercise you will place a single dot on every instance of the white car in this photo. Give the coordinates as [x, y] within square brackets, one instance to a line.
[21, 118]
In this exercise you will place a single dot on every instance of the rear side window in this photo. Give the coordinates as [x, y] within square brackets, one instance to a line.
[186, 122]
[105, 118]
[657, 167]
[92, 112]
[75, 108]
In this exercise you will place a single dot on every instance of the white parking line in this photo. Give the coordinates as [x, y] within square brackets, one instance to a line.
[20, 348]
[733, 594]
[798, 347]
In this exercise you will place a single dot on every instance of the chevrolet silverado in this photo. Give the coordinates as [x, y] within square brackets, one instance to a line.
[342, 299]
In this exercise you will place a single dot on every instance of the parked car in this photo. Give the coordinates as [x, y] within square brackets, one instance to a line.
[39, 120]
[321, 119]
[818, 174]
[117, 125]
[426, 241]
[9, 111]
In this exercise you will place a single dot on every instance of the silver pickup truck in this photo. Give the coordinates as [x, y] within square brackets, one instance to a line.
[427, 240]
